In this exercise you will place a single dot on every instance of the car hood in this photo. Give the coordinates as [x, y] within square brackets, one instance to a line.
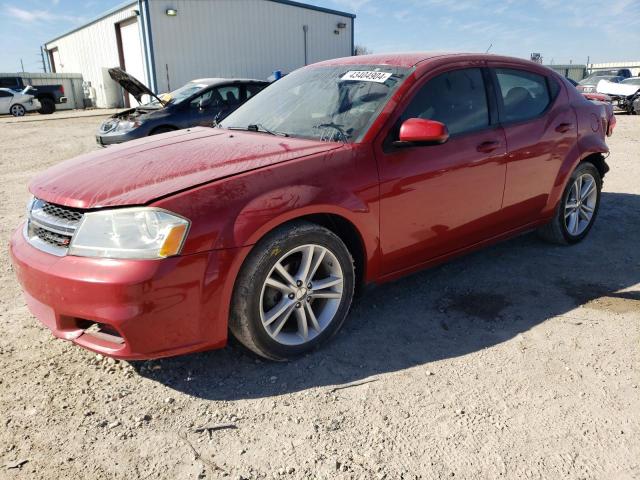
[131, 84]
[140, 171]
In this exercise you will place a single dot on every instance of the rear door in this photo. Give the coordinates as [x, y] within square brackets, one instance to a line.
[540, 128]
[441, 198]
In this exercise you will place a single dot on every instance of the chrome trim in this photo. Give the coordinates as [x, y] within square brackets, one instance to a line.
[37, 217]
[41, 244]
[52, 227]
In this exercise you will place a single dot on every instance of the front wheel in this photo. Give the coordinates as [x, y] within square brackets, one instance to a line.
[293, 292]
[578, 207]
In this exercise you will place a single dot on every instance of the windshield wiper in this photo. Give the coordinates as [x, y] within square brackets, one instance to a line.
[338, 128]
[258, 127]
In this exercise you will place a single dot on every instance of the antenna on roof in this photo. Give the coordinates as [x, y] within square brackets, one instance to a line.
[487, 50]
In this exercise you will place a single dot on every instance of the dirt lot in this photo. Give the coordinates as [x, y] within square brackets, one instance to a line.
[519, 361]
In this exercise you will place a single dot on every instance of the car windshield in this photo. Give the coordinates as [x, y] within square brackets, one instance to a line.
[631, 81]
[332, 103]
[180, 94]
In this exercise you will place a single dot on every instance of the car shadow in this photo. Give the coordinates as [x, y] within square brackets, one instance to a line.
[469, 304]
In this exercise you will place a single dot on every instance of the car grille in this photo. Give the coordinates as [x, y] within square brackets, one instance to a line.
[50, 227]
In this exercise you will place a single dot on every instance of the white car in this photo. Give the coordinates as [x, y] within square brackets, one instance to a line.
[17, 103]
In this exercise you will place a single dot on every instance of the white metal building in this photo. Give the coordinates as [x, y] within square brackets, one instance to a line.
[166, 43]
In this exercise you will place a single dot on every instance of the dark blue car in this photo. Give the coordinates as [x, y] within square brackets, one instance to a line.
[199, 102]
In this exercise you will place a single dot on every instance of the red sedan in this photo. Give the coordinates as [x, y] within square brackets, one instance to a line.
[346, 172]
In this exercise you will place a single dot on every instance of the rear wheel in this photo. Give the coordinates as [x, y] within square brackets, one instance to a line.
[47, 106]
[17, 110]
[293, 292]
[578, 207]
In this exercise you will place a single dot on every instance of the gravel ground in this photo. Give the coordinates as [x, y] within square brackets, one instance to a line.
[518, 361]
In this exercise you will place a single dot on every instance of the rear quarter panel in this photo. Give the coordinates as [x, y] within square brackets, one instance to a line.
[592, 121]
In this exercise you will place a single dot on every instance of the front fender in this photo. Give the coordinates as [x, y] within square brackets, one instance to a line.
[239, 210]
[268, 211]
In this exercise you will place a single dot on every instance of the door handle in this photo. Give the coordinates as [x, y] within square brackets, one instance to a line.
[564, 127]
[487, 147]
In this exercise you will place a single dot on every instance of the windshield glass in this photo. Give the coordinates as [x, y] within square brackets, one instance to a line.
[180, 94]
[333, 103]
[631, 81]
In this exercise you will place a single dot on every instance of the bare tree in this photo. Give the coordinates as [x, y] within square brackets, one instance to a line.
[362, 50]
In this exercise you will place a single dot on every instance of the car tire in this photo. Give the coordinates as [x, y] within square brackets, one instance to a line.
[574, 215]
[310, 313]
[47, 106]
[17, 110]
[160, 130]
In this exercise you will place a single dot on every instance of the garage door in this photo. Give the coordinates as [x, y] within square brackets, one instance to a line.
[132, 52]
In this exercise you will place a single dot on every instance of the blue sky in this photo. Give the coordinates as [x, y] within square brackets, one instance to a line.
[562, 30]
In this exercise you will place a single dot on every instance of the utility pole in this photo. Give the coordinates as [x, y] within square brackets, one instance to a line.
[22, 65]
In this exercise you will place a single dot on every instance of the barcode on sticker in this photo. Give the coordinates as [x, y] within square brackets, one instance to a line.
[366, 76]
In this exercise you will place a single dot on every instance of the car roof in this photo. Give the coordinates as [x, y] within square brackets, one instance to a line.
[217, 81]
[411, 59]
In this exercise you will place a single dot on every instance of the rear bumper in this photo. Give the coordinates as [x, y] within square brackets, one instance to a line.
[148, 308]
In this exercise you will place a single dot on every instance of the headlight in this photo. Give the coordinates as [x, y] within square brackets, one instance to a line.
[142, 232]
[126, 125]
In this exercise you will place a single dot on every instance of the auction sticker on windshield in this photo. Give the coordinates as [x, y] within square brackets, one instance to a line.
[366, 76]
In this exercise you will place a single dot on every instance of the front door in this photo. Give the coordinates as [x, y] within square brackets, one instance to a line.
[441, 198]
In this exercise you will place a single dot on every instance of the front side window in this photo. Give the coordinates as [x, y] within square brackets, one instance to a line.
[525, 95]
[230, 95]
[208, 99]
[332, 103]
[457, 98]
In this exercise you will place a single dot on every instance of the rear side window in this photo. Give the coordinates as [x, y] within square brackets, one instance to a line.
[457, 98]
[525, 95]
[5, 94]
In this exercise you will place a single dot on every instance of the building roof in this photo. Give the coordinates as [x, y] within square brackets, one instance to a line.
[313, 7]
[131, 3]
[113, 10]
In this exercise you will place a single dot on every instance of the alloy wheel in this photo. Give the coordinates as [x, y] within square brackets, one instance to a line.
[17, 110]
[301, 294]
[580, 204]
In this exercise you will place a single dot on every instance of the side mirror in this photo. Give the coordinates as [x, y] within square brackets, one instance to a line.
[418, 131]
